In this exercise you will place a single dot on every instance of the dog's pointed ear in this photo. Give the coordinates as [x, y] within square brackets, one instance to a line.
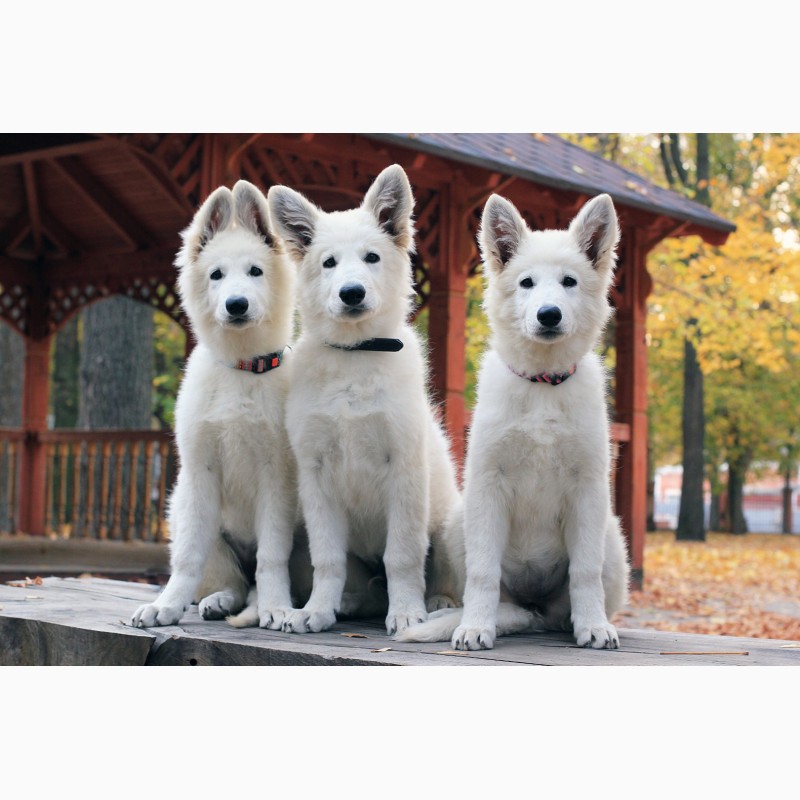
[391, 202]
[294, 218]
[252, 212]
[212, 217]
[596, 230]
[501, 232]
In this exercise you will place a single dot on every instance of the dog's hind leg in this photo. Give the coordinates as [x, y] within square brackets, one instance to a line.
[616, 569]
[223, 590]
[441, 585]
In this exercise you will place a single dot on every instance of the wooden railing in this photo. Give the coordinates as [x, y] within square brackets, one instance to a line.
[12, 441]
[98, 484]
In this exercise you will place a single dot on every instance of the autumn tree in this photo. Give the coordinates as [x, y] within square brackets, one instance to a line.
[691, 524]
[741, 300]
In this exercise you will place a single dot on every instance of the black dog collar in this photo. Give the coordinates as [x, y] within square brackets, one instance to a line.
[375, 345]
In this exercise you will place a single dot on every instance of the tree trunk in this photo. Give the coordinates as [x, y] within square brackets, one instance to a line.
[714, 513]
[116, 365]
[736, 478]
[12, 360]
[690, 515]
[786, 520]
[64, 377]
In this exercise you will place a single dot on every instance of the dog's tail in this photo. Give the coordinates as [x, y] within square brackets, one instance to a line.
[441, 625]
[248, 616]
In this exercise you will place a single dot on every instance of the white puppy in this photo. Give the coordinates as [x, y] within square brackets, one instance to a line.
[235, 496]
[536, 529]
[374, 470]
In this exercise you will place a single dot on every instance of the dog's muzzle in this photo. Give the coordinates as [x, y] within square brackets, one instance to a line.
[352, 295]
[237, 307]
[549, 318]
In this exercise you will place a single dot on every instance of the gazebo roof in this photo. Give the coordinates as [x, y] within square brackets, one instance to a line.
[549, 160]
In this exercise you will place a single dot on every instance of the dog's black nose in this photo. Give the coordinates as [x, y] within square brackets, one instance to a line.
[237, 306]
[549, 316]
[352, 294]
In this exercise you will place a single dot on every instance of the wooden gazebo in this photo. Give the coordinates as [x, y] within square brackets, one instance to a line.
[85, 216]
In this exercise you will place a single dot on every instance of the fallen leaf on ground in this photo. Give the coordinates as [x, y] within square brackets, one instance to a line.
[729, 585]
[355, 636]
[381, 650]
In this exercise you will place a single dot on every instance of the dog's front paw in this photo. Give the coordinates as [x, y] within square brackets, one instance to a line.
[219, 605]
[436, 602]
[473, 638]
[151, 615]
[398, 621]
[273, 618]
[599, 635]
[308, 621]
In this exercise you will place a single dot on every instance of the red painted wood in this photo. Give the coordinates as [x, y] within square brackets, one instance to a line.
[35, 394]
[448, 316]
[631, 398]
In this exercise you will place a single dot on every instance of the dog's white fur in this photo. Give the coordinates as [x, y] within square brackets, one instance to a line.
[374, 470]
[237, 476]
[536, 528]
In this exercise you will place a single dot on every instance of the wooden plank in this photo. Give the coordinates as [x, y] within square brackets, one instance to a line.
[85, 621]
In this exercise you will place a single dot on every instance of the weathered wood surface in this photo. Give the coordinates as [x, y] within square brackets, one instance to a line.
[41, 555]
[84, 621]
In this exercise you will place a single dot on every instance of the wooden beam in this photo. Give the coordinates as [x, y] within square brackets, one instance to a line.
[157, 261]
[104, 203]
[631, 398]
[447, 305]
[60, 236]
[156, 171]
[15, 231]
[35, 397]
[57, 151]
[33, 205]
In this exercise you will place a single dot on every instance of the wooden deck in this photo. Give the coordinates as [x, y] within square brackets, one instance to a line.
[84, 621]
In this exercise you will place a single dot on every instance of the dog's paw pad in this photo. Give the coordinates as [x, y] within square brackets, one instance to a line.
[479, 638]
[600, 636]
[397, 623]
[218, 606]
[273, 619]
[437, 602]
[152, 615]
[302, 621]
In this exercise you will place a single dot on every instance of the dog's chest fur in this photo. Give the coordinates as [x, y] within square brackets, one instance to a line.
[354, 422]
[538, 444]
[232, 422]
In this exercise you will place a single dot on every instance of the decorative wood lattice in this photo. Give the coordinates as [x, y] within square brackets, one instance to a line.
[14, 306]
[66, 301]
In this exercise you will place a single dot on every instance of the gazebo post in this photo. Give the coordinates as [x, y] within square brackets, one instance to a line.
[448, 315]
[35, 397]
[631, 398]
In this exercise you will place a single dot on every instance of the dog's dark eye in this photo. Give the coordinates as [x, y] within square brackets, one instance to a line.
[569, 281]
[255, 271]
[527, 283]
[329, 263]
[372, 258]
[216, 275]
